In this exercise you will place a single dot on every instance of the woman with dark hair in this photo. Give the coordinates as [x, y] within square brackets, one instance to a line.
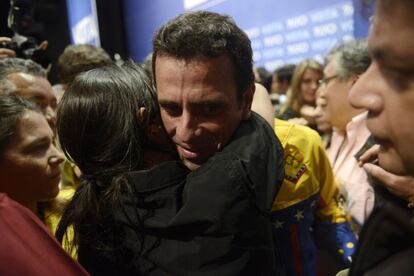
[29, 162]
[104, 123]
[29, 175]
[134, 214]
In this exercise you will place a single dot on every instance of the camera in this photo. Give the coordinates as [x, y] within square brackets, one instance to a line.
[27, 48]
[20, 20]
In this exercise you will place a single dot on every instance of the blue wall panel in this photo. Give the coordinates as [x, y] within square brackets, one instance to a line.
[281, 31]
[83, 22]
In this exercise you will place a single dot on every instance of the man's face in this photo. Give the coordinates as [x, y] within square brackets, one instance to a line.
[387, 88]
[322, 120]
[38, 90]
[275, 85]
[29, 166]
[338, 109]
[279, 87]
[199, 105]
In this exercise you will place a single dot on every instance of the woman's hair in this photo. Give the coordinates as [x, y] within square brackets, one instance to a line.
[100, 129]
[294, 95]
[12, 109]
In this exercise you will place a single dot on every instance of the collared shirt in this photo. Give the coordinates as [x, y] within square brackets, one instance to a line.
[357, 193]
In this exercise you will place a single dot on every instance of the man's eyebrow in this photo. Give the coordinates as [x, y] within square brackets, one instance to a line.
[210, 102]
[379, 54]
[166, 102]
[203, 102]
[37, 97]
[386, 57]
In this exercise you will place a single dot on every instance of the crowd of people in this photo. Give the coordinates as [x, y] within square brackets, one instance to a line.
[171, 167]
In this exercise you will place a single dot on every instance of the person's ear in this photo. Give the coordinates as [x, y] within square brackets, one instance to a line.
[142, 113]
[65, 86]
[354, 79]
[247, 101]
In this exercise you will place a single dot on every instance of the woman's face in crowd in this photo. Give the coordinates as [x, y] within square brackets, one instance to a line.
[29, 165]
[309, 85]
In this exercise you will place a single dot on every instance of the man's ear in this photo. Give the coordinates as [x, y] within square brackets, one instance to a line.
[65, 86]
[354, 79]
[141, 114]
[247, 101]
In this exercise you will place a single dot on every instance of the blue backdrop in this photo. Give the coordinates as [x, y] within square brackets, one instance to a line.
[281, 31]
[83, 22]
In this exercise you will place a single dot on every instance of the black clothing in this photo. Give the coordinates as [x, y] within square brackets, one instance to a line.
[386, 243]
[212, 221]
[288, 114]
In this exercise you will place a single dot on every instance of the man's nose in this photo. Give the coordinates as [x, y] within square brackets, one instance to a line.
[187, 127]
[320, 92]
[365, 92]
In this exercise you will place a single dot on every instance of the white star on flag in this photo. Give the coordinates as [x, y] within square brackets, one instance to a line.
[299, 215]
[278, 224]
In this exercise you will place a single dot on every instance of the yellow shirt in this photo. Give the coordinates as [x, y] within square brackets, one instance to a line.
[53, 214]
[307, 171]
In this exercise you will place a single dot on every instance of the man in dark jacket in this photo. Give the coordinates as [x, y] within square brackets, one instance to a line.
[202, 64]
[386, 90]
[208, 214]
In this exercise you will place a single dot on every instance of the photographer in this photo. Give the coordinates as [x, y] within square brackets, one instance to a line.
[26, 50]
[20, 21]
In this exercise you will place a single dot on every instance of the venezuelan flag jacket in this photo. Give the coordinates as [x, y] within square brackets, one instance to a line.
[305, 213]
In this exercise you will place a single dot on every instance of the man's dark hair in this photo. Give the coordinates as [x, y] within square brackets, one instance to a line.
[265, 78]
[285, 73]
[206, 34]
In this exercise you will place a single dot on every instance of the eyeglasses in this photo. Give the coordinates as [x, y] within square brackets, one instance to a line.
[325, 81]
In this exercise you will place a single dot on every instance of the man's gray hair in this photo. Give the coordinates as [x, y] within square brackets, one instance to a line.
[352, 58]
[17, 65]
[7, 87]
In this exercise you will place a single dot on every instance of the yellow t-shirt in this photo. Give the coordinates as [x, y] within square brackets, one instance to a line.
[307, 171]
[53, 214]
